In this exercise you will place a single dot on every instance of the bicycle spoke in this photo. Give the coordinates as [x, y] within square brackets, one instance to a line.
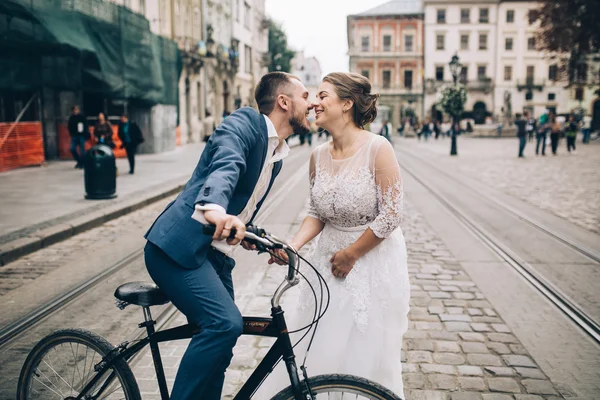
[49, 388]
[91, 368]
[75, 361]
[56, 373]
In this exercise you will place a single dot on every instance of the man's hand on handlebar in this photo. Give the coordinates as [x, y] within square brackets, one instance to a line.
[224, 225]
[248, 246]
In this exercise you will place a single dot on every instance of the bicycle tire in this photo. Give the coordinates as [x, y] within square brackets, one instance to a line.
[79, 337]
[343, 384]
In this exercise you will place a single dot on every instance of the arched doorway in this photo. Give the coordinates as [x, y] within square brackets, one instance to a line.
[596, 115]
[436, 115]
[479, 112]
[188, 109]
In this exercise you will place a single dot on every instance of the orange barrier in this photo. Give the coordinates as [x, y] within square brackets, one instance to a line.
[24, 146]
[178, 136]
[64, 142]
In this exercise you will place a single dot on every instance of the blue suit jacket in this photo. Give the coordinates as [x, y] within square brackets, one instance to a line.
[226, 175]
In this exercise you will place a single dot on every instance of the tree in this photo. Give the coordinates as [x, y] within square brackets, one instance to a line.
[453, 99]
[280, 56]
[569, 29]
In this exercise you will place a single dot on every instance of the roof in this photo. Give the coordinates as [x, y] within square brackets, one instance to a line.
[394, 7]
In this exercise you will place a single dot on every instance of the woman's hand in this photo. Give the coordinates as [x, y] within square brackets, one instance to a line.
[342, 263]
[278, 256]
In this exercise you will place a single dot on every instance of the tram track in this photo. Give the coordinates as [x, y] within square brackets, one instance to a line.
[18, 327]
[574, 311]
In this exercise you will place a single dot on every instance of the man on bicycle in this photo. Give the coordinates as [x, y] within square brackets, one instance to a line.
[234, 175]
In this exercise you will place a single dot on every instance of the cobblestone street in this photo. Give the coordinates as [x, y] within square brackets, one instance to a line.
[567, 185]
[457, 347]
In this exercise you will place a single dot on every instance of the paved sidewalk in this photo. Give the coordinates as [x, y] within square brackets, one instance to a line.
[567, 185]
[32, 198]
[457, 347]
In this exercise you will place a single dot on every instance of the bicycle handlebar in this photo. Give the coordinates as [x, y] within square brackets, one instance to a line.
[264, 241]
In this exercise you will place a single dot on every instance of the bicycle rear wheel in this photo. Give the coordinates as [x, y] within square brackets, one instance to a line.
[340, 387]
[62, 364]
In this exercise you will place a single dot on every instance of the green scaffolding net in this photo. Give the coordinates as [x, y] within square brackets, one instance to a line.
[89, 45]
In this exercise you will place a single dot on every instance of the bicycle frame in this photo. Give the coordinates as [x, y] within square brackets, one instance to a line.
[255, 326]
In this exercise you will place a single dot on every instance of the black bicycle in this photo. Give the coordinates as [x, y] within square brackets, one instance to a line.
[78, 364]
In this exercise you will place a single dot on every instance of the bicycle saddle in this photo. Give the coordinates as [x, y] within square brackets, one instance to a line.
[143, 294]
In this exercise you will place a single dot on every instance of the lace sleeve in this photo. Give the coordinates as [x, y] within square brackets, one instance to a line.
[312, 211]
[389, 192]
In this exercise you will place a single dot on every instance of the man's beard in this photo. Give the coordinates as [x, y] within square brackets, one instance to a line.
[298, 126]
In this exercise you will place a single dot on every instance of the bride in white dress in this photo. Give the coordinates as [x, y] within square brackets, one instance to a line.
[356, 207]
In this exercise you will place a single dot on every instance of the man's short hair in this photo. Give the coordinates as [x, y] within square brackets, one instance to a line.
[270, 86]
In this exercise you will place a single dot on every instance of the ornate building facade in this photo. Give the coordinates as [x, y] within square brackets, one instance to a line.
[385, 44]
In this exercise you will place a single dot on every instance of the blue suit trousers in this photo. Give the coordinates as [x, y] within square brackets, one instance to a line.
[205, 296]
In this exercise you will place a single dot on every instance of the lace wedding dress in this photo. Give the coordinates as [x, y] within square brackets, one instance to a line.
[361, 333]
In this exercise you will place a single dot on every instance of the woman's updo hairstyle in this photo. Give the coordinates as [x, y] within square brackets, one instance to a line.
[355, 87]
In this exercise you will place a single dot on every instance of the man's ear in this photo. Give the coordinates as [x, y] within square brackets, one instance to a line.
[283, 102]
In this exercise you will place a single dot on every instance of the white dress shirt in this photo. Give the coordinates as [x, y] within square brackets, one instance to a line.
[276, 151]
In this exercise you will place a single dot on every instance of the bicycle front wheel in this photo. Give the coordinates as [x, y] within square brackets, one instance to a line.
[64, 362]
[338, 387]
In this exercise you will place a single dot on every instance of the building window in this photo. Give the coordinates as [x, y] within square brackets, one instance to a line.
[387, 43]
[528, 95]
[247, 15]
[408, 79]
[507, 73]
[441, 16]
[579, 94]
[365, 73]
[439, 74]
[465, 16]
[481, 72]
[387, 79]
[408, 43]
[464, 73]
[551, 96]
[440, 42]
[530, 74]
[553, 73]
[531, 43]
[483, 41]
[508, 44]
[464, 42]
[532, 16]
[510, 16]
[484, 15]
[364, 43]
[582, 72]
[248, 59]
[238, 10]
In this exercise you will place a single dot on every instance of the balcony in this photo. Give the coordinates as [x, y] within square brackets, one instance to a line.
[481, 84]
[397, 89]
[433, 86]
[531, 84]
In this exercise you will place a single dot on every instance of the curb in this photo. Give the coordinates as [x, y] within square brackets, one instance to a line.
[18, 248]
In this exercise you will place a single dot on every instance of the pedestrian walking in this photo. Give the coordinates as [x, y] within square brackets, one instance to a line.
[521, 124]
[531, 125]
[586, 128]
[542, 133]
[131, 137]
[103, 131]
[571, 130]
[555, 129]
[385, 130]
[78, 130]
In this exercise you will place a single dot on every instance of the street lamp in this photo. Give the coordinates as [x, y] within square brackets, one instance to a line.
[455, 68]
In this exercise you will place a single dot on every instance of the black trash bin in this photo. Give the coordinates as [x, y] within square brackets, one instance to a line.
[100, 173]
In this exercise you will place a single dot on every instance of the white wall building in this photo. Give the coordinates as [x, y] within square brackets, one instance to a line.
[308, 69]
[526, 79]
[251, 33]
[468, 29]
